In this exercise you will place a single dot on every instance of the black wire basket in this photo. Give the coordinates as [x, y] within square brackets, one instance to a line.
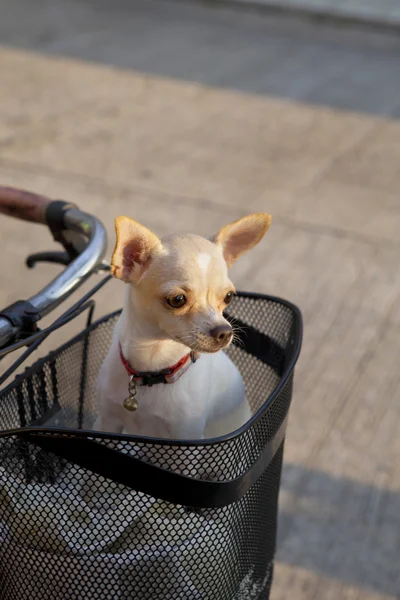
[95, 516]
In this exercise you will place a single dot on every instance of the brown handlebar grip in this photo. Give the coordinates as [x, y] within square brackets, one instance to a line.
[23, 205]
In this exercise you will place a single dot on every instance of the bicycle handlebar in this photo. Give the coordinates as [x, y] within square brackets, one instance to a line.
[23, 205]
[82, 235]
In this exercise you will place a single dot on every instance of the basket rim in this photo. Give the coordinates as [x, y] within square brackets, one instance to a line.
[89, 433]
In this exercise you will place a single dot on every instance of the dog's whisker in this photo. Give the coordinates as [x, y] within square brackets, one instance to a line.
[237, 327]
[240, 331]
[238, 341]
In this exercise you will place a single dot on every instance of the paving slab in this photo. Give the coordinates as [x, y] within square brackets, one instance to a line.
[267, 140]
[213, 44]
[370, 216]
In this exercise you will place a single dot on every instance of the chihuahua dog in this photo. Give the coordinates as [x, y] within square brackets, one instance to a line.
[166, 374]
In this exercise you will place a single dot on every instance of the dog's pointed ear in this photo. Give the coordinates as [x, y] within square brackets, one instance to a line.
[242, 235]
[134, 248]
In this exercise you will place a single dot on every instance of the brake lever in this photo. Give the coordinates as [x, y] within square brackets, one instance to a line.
[61, 258]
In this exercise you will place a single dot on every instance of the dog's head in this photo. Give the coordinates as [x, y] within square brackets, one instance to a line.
[181, 281]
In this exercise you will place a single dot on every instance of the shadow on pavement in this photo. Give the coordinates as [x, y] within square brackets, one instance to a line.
[340, 528]
[249, 51]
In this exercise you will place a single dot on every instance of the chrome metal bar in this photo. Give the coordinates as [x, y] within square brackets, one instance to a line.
[74, 275]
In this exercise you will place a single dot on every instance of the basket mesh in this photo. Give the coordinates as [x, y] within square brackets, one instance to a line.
[68, 533]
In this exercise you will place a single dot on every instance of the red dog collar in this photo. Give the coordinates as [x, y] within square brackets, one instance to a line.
[169, 375]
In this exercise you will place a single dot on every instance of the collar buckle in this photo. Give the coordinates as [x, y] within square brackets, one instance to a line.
[153, 379]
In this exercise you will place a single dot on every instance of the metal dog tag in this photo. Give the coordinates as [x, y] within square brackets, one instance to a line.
[130, 403]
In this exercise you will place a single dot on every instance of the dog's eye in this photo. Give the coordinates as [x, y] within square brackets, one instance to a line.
[228, 298]
[177, 301]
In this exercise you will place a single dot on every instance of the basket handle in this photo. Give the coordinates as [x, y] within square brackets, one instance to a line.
[150, 479]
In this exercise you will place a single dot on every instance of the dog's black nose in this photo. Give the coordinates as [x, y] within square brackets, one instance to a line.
[222, 333]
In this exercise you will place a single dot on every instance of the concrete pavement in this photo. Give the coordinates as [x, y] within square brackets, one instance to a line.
[206, 43]
[155, 125]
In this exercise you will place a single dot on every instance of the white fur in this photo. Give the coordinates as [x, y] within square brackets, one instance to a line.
[203, 260]
[207, 401]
